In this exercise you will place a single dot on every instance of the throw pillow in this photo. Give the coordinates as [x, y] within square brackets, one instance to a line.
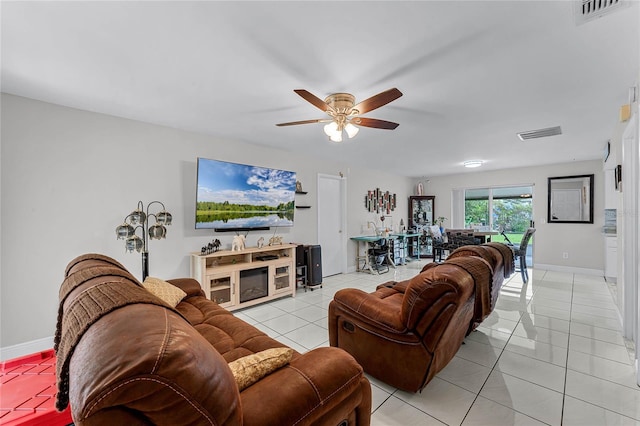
[169, 293]
[251, 368]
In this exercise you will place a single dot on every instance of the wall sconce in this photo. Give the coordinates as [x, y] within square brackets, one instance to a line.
[139, 219]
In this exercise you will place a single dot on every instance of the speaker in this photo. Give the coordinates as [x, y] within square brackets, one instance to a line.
[300, 255]
[314, 265]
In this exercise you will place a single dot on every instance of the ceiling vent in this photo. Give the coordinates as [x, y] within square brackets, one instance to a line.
[588, 10]
[540, 133]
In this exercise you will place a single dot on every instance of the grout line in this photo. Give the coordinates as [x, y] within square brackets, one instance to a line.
[566, 368]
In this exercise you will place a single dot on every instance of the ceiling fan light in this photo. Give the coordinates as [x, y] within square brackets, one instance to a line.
[351, 130]
[331, 129]
[336, 137]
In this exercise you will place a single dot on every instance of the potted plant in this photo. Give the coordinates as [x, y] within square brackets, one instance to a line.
[440, 221]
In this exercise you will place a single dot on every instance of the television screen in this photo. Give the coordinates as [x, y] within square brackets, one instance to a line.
[233, 196]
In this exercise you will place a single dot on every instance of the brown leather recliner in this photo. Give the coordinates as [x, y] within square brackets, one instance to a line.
[125, 357]
[377, 328]
[406, 332]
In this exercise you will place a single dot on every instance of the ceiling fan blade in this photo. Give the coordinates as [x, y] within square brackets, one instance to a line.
[378, 100]
[293, 123]
[313, 99]
[374, 122]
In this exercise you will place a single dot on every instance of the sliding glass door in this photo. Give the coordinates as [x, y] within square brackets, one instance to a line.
[502, 209]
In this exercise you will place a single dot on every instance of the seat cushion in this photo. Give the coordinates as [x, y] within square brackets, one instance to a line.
[229, 335]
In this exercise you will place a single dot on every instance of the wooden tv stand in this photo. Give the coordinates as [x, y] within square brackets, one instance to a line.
[221, 274]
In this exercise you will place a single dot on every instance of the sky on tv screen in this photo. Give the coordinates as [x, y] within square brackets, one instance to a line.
[220, 181]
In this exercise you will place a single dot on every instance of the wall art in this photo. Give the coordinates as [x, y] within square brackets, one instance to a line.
[377, 201]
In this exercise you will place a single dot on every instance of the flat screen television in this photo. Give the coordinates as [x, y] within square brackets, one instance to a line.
[235, 197]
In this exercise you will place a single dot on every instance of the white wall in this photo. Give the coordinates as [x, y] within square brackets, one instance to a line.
[69, 177]
[583, 242]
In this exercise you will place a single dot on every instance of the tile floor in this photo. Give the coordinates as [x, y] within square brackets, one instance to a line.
[550, 353]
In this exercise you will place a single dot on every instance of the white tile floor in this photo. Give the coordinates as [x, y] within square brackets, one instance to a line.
[550, 353]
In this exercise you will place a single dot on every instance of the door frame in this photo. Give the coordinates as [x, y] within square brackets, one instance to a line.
[458, 198]
[343, 215]
[629, 235]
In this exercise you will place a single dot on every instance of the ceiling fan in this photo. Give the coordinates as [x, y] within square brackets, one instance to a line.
[345, 113]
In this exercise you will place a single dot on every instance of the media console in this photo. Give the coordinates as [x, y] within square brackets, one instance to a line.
[238, 279]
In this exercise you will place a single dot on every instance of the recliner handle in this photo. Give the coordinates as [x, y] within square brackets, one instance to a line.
[349, 327]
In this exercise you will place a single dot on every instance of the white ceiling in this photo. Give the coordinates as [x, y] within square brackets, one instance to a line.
[473, 73]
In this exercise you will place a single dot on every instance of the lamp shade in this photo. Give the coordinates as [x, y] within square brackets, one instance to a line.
[351, 130]
[124, 231]
[164, 217]
[137, 217]
[157, 232]
[134, 243]
[331, 129]
[336, 137]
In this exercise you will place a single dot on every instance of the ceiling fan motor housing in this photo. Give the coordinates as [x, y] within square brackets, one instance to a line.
[341, 103]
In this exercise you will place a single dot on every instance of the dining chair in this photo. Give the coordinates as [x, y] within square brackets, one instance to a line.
[521, 253]
[378, 254]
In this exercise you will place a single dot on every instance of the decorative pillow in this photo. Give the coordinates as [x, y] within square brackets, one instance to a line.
[251, 368]
[169, 293]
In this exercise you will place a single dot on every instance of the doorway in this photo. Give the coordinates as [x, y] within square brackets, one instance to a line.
[331, 222]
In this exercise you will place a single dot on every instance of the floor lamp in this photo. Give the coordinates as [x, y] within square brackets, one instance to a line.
[138, 219]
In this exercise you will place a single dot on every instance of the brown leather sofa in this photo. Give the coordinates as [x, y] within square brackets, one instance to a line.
[499, 258]
[125, 357]
[405, 332]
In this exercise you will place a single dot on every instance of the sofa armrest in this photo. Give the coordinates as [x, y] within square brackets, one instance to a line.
[380, 308]
[388, 284]
[145, 364]
[188, 285]
[398, 286]
[429, 266]
[323, 386]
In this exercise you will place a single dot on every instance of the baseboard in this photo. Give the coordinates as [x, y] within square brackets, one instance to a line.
[26, 348]
[570, 269]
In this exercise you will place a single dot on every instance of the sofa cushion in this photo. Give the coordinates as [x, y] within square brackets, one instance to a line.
[168, 293]
[251, 368]
[229, 335]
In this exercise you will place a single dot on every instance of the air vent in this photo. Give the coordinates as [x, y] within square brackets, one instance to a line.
[540, 133]
[588, 10]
